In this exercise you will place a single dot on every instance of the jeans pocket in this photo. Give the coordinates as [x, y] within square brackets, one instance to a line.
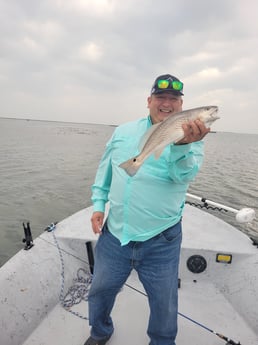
[172, 233]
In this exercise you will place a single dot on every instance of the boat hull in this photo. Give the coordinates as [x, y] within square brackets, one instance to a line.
[222, 298]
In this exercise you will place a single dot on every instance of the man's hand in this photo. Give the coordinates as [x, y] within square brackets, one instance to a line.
[194, 131]
[97, 222]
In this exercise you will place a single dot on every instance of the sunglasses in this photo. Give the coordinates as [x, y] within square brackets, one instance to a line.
[174, 84]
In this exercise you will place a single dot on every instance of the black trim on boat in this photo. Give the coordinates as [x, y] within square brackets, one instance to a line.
[255, 241]
[90, 255]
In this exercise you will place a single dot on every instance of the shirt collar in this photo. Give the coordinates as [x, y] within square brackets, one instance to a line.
[149, 123]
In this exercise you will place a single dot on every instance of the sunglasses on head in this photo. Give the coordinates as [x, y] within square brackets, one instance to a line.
[174, 84]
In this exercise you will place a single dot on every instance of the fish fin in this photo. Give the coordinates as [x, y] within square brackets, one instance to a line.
[146, 136]
[131, 166]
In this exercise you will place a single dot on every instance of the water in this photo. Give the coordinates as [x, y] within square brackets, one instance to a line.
[47, 169]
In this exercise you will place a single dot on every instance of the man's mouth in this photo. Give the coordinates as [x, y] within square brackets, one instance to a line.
[167, 111]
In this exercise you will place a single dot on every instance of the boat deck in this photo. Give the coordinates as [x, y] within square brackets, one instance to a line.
[223, 298]
[130, 316]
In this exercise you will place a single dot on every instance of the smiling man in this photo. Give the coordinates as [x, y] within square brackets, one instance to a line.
[164, 100]
[143, 227]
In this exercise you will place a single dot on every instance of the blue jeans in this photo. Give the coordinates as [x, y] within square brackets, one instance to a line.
[156, 262]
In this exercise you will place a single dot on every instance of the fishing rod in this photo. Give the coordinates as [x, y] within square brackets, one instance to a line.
[244, 215]
[221, 336]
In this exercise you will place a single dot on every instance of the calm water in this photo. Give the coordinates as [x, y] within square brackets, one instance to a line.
[47, 168]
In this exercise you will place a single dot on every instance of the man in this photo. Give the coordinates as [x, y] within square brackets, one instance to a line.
[143, 227]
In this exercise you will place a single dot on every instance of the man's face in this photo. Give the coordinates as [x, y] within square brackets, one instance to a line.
[163, 105]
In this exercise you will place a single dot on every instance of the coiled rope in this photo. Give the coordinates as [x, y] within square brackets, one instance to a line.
[206, 206]
[81, 284]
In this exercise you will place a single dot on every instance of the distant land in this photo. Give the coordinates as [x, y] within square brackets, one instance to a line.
[100, 124]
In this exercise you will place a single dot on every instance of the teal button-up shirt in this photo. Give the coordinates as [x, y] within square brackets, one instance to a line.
[146, 204]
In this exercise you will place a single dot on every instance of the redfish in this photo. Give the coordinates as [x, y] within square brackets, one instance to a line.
[168, 132]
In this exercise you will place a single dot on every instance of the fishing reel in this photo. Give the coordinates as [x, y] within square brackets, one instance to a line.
[231, 342]
[228, 341]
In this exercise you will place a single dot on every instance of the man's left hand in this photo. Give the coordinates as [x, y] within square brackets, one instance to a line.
[194, 131]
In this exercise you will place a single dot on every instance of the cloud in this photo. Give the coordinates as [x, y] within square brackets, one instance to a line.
[95, 60]
[88, 7]
[90, 51]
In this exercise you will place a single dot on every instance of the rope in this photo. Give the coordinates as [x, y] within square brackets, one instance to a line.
[79, 290]
[205, 205]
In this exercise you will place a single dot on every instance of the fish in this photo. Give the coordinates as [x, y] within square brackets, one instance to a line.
[167, 132]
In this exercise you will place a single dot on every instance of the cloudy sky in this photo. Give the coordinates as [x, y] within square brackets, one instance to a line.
[95, 60]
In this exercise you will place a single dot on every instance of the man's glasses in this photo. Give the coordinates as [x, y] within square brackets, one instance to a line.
[174, 84]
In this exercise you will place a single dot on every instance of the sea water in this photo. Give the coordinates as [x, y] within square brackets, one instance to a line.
[47, 169]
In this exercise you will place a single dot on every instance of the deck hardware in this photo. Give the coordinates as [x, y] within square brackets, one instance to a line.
[224, 258]
[28, 237]
[179, 283]
[51, 227]
[196, 264]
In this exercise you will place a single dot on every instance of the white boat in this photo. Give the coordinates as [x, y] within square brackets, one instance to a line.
[218, 287]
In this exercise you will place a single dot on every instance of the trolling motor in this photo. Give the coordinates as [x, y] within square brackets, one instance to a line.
[28, 237]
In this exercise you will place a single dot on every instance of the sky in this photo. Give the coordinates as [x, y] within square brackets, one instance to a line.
[94, 61]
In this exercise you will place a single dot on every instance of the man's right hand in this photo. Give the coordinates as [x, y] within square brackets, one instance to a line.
[97, 222]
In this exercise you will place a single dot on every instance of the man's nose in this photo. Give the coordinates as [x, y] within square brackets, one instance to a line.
[167, 101]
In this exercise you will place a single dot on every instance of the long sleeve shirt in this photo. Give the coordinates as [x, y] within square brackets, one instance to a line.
[142, 206]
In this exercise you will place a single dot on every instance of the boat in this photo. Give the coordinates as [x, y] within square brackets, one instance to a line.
[43, 288]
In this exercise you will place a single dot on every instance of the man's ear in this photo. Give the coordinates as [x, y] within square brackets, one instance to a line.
[148, 101]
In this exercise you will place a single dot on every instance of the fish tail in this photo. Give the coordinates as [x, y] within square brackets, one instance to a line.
[131, 166]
